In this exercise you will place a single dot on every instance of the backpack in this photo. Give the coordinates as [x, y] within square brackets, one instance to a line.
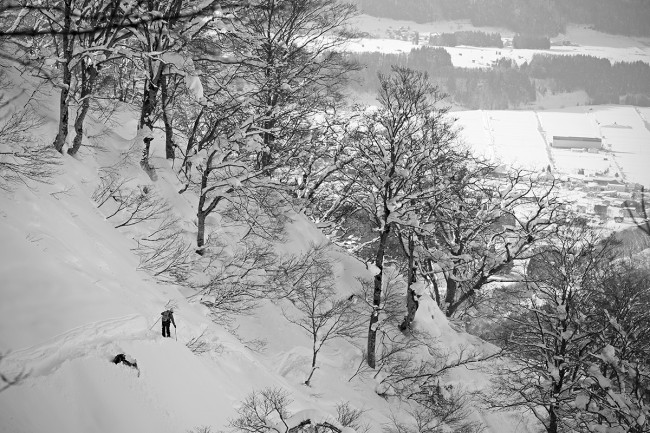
[166, 316]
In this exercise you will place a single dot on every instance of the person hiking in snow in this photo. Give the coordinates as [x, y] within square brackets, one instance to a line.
[167, 317]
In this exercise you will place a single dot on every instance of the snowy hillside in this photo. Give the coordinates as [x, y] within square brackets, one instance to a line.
[73, 297]
[327, 266]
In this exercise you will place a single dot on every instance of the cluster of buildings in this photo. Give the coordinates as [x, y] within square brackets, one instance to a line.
[600, 197]
[605, 198]
[403, 34]
[607, 202]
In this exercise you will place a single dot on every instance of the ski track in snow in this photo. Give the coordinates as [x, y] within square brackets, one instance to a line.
[95, 337]
[487, 124]
[645, 121]
[547, 147]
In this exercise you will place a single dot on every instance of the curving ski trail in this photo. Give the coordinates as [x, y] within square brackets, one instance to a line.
[45, 358]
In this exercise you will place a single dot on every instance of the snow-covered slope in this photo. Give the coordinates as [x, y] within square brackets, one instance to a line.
[72, 297]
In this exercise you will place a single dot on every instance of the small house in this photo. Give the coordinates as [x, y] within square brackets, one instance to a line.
[601, 210]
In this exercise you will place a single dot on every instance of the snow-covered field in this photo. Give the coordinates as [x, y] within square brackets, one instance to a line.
[584, 41]
[524, 137]
[510, 137]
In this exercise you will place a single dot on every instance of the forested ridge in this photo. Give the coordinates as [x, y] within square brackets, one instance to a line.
[507, 85]
[627, 17]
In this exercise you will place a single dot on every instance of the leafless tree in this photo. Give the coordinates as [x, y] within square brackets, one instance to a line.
[22, 159]
[350, 416]
[266, 411]
[201, 429]
[288, 75]
[87, 37]
[199, 345]
[249, 271]
[131, 206]
[237, 279]
[391, 344]
[444, 408]
[18, 23]
[545, 339]
[76, 34]
[110, 183]
[396, 152]
[290, 51]
[616, 391]
[476, 235]
[165, 252]
[164, 51]
[257, 409]
[320, 313]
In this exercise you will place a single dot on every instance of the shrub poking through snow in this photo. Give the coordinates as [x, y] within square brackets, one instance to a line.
[7, 380]
[21, 159]
[266, 411]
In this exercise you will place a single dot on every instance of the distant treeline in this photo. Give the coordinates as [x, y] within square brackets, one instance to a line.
[604, 82]
[543, 17]
[473, 38]
[501, 87]
[477, 38]
[507, 85]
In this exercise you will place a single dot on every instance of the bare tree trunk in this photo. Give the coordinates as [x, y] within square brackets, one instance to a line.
[376, 299]
[450, 297]
[203, 211]
[67, 41]
[265, 157]
[552, 422]
[429, 275]
[167, 118]
[200, 234]
[411, 296]
[452, 306]
[88, 76]
[149, 98]
[201, 215]
[313, 362]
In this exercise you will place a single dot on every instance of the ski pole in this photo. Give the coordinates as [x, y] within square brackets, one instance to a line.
[175, 334]
[154, 323]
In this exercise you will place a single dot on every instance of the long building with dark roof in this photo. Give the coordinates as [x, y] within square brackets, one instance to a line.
[563, 142]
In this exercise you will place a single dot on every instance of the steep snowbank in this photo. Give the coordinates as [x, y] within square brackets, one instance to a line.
[72, 297]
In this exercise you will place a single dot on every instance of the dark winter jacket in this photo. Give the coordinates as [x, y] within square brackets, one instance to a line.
[168, 316]
[121, 358]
